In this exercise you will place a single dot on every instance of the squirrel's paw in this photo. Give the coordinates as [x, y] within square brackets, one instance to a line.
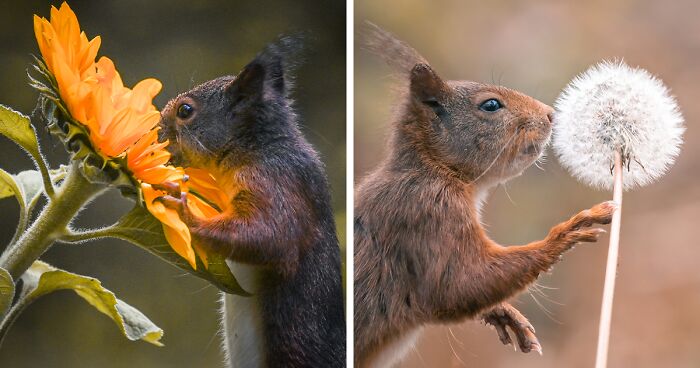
[505, 316]
[577, 229]
[179, 204]
[173, 189]
[598, 214]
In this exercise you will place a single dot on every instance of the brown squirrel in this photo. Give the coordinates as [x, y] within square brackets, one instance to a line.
[421, 253]
[280, 238]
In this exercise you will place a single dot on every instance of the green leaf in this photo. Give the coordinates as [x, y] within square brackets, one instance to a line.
[7, 291]
[9, 187]
[31, 185]
[27, 187]
[141, 228]
[42, 279]
[17, 127]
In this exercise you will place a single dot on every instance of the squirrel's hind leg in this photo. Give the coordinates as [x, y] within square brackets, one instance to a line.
[503, 317]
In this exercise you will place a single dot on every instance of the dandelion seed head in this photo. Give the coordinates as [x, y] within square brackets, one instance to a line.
[613, 107]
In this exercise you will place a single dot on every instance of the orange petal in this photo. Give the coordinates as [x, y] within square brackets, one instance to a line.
[176, 232]
[159, 174]
[200, 208]
[143, 94]
[202, 182]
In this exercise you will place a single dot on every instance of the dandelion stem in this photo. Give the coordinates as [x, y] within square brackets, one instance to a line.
[611, 269]
[73, 194]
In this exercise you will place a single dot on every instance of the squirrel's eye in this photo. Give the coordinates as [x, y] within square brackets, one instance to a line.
[490, 105]
[184, 111]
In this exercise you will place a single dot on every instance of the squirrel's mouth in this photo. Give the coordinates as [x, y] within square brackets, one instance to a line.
[531, 149]
[167, 133]
[175, 160]
[534, 137]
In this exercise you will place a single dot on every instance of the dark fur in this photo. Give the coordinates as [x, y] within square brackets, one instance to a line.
[244, 129]
[421, 254]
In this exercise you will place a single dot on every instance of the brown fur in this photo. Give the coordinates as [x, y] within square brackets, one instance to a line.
[421, 253]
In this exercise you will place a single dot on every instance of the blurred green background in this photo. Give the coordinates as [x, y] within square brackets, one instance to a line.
[182, 43]
[537, 47]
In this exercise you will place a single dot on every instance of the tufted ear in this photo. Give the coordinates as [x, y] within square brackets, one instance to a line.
[428, 88]
[426, 85]
[261, 78]
[268, 75]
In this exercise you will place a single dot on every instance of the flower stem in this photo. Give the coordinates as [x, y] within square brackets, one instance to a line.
[71, 237]
[11, 316]
[46, 178]
[73, 194]
[611, 270]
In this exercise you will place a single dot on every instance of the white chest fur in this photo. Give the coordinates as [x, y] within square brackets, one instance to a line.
[393, 353]
[242, 321]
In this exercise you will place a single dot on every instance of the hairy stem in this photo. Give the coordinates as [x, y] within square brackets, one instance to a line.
[44, 170]
[74, 237]
[53, 220]
[11, 317]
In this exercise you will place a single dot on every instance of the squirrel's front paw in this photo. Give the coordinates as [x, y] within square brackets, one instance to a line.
[505, 316]
[179, 204]
[577, 229]
[598, 214]
[172, 189]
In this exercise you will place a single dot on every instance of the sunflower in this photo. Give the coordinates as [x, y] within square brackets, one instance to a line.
[69, 55]
[121, 123]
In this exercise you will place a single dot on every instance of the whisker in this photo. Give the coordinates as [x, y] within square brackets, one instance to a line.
[546, 311]
[493, 162]
[454, 336]
[535, 287]
[211, 340]
[505, 189]
[454, 352]
[194, 138]
[546, 287]
[465, 348]
[420, 356]
[205, 287]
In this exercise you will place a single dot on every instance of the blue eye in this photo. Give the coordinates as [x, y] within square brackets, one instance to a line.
[184, 111]
[490, 105]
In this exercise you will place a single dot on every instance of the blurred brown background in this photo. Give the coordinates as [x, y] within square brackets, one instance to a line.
[182, 43]
[537, 47]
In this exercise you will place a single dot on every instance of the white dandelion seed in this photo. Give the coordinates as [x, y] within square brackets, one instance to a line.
[613, 107]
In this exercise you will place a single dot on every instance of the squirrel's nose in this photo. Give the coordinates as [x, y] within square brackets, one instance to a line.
[546, 110]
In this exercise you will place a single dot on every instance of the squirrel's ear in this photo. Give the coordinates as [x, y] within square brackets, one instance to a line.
[426, 85]
[262, 77]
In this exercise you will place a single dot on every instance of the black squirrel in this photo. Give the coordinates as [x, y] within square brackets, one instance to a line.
[421, 253]
[281, 237]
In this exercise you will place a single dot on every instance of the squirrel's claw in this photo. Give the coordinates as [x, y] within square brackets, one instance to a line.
[178, 204]
[598, 214]
[578, 228]
[173, 189]
[506, 316]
